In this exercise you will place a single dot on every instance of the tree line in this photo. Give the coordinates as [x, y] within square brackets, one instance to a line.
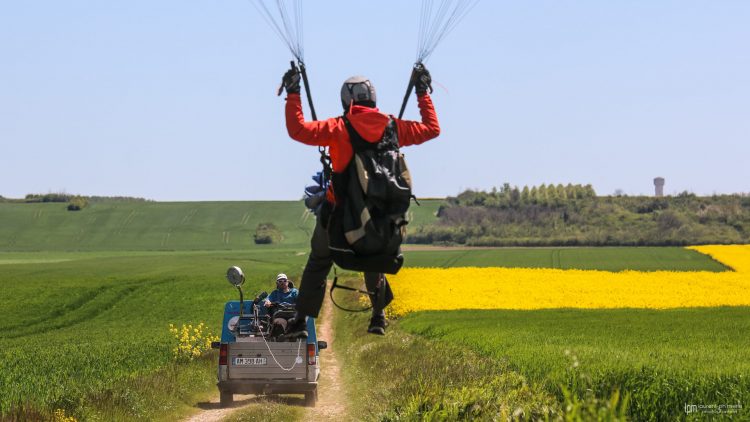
[33, 198]
[507, 196]
[559, 215]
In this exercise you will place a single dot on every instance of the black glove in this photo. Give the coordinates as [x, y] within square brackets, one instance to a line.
[290, 81]
[422, 80]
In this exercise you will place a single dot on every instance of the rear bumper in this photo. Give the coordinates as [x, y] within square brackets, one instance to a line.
[266, 386]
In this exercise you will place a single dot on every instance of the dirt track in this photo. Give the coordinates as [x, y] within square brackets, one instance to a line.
[211, 412]
[331, 393]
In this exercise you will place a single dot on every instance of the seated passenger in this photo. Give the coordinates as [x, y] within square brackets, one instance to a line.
[283, 295]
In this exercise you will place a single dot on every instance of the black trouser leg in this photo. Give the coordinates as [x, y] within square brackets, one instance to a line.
[312, 287]
[376, 282]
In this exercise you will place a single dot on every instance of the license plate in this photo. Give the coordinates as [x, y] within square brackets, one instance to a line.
[249, 361]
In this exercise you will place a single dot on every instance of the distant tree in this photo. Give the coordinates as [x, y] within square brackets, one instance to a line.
[267, 233]
[561, 193]
[48, 197]
[570, 191]
[506, 188]
[686, 194]
[552, 194]
[515, 196]
[669, 220]
[541, 195]
[77, 203]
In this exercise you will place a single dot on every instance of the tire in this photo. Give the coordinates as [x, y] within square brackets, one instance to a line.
[226, 398]
[311, 397]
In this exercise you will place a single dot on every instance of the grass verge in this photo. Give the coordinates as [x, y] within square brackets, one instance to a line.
[165, 395]
[406, 377]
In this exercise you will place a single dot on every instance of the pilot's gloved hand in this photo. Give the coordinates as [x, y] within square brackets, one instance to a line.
[291, 81]
[422, 80]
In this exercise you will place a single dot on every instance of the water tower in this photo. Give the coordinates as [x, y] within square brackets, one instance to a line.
[659, 185]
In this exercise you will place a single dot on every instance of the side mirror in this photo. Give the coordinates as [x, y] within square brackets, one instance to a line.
[215, 344]
[322, 345]
[235, 276]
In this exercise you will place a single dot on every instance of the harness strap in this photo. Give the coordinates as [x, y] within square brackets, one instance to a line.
[335, 285]
[325, 161]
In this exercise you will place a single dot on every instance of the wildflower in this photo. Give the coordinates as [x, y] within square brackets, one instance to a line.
[60, 416]
[191, 342]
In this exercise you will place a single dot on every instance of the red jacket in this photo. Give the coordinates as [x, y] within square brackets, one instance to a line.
[369, 123]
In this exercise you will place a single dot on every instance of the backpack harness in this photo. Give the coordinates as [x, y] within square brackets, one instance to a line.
[366, 225]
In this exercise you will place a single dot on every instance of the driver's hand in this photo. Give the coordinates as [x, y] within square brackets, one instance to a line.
[267, 303]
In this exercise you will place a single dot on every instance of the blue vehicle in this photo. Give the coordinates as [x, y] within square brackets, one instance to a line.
[252, 361]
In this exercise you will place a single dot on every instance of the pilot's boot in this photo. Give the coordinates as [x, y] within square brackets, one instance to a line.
[279, 327]
[377, 323]
[382, 296]
[297, 327]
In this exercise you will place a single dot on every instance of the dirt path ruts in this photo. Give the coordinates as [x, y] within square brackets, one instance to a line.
[331, 393]
[212, 412]
[331, 404]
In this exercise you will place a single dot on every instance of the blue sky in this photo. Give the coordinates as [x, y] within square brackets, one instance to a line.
[175, 100]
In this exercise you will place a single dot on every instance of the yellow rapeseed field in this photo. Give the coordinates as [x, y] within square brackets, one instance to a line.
[525, 288]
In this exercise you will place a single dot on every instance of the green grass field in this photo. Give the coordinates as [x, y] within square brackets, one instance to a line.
[160, 226]
[76, 324]
[591, 258]
[147, 225]
[88, 296]
[663, 359]
[74, 330]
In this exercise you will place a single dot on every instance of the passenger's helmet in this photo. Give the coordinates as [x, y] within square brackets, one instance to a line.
[359, 90]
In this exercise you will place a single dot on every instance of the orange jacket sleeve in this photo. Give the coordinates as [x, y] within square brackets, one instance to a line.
[322, 133]
[414, 133]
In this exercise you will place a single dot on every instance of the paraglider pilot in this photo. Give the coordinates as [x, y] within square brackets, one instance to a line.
[359, 100]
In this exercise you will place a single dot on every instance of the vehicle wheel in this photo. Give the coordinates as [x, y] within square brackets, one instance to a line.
[226, 398]
[311, 397]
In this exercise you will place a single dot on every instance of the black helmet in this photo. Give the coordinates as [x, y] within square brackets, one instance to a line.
[359, 90]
